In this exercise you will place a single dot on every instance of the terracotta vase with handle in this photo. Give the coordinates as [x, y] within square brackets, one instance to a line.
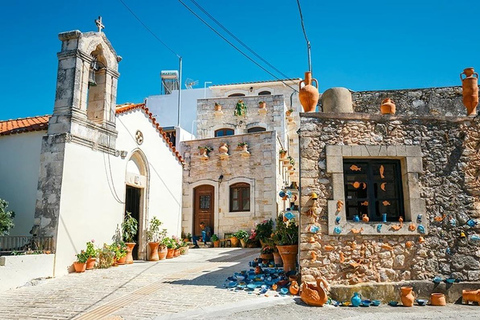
[308, 94]
[470, 90]
[406, 295]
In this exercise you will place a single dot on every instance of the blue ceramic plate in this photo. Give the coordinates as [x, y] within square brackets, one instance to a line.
[251, 286]
[376, 303]
[284, 291]
[421, 302]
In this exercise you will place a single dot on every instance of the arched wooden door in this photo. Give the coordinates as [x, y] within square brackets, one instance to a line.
[203, 209]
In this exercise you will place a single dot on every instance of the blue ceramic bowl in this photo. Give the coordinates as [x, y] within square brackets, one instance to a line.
[450, 280]
[421, 302]
[437, 280]
[366, 303]
[284, 291]
[232, 284]
[375, 303]
[393, 303]
[251, 286]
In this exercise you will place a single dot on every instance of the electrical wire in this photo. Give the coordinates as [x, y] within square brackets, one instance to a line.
[235, 47]
[309, 47]
[148, 29]
[237, 39]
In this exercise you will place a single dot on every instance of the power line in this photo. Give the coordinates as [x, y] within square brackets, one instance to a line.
[148, 29]
[237, 39]
[309, 47]
[235, 47]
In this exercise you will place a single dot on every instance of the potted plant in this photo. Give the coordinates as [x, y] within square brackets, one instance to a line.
[170, 244]
[282, 153]
[289, 112]
[106, 257]
[240, 108]
[242, 235]
[6, 218]
[120, 251]
[263, 232]
[291, 161]
[218, 107]
[81, 263]
[177, 245]
[92, 254]
[204, 150]
[234, 241]
[286, 240]
[262, 104]
[153, 237]
[243, 145]
[215, 240]
[266, 253]
[129, 228]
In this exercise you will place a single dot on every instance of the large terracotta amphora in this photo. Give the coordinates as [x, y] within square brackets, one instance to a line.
[308, 94]
[406, 295]
[470, 90]
[289, 256]
[153, 251]
[130, 246]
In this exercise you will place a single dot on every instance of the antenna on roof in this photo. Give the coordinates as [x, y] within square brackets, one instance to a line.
[189, 83]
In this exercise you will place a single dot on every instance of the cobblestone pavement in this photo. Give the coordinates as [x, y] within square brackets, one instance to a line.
[187, 287]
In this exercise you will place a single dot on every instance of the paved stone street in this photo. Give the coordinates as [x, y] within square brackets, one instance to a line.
[188, 287]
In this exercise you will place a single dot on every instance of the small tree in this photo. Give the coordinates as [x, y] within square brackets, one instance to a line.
[6, 218]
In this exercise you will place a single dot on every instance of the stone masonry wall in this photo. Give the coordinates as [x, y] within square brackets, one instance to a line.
[259, 168]
[450, 186]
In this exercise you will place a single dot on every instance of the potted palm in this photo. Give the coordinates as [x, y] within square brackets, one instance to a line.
[129, 228]
[81, 263]
[242, 235]
[153, 237]
[285, 238]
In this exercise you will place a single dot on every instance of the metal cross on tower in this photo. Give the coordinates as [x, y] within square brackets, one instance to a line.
[99, 24]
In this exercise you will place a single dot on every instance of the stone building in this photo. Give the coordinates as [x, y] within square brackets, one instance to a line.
[412, 177]
[235, 189]
[90, 161]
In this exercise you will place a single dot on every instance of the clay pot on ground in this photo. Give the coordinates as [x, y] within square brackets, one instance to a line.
[471, 296]
[91, 263]
[170, 253]
[387, 106]
[289, 256]
[406, 295]
[216, 244]
[176, 253]
[277, 259]
[122, 260]
[79, 266]
[153, 251]
[470, 90]
[162, 252]
[438, 299]
[234, 241]
[130, 246]
[314, 294]
[294, 288]
[308, 94]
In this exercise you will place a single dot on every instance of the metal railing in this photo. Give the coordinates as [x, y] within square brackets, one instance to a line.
[19, 244]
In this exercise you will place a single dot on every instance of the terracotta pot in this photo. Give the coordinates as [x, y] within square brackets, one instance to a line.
[471, 296]
[184, 250]
[170, 253]
[314, 294]
[277, 259]
[130, 246]
[365, 218]
[218, 107]
[79, 266]
[162, 252]
[176, 253]
[470, 90]
[387, 106]
[262, 105]
[438, 299]
[283, 155]
[406, 296]
[294, 288]
[223, 148]
[91, 263]
[289, 256]
[153, 251]
[308, 94]
[203, 152]
[122, 260]
[243, 243]
[234, 241]
[216, 244]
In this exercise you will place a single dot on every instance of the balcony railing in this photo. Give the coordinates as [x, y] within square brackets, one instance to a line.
[9, 244]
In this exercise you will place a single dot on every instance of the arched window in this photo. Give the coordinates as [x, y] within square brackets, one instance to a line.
[256, 129]
[239, 197]
[264, 93]
[237, 95]
[224, 132]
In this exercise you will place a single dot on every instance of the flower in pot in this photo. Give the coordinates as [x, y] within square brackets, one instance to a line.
[154, 236]
[243, 145]
[178, 243]
[215, 240]
[262, 104]
[129, 229]
[81, 263]
[266, 253]
[283, 153]
[285, 238]
[242, 235]
[170, 244]
[240, 108]
[120, 251]
[92, 254]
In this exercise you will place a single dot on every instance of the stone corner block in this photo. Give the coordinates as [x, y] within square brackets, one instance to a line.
[334, 164]
[332, 150]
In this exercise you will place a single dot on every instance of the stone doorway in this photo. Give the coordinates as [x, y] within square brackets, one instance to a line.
[204, 208]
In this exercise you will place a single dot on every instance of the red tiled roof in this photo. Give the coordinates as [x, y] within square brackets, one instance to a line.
[131, 107]
[21, 125]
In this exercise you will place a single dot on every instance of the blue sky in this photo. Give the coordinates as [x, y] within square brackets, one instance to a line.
[361, 45]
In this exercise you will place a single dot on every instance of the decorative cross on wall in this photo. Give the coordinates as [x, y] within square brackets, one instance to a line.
[99, 24]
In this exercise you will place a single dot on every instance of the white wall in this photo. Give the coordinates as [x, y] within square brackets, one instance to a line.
[19, 167]
[16, 271]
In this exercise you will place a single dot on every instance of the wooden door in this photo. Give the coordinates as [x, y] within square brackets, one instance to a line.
[203, 208]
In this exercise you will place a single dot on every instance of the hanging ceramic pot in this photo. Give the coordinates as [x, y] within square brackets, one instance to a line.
[470, 90]
[308, 94]
[387, 106]
[406, 295]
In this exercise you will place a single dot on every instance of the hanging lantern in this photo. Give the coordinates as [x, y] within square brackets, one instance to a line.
[91, 74]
